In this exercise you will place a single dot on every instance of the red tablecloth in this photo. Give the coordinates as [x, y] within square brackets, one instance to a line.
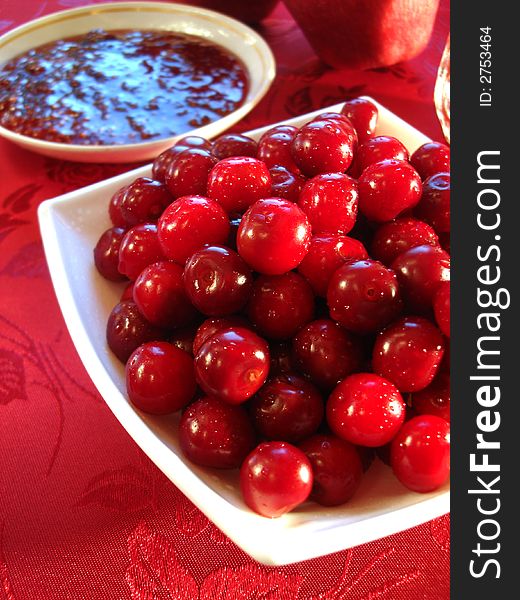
[83, 513]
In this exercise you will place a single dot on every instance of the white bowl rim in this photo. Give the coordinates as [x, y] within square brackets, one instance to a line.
[172, 7]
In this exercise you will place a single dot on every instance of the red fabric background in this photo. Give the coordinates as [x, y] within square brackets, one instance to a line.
[83, 513]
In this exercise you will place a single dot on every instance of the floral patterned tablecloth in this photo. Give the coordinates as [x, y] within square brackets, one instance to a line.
[84, 514]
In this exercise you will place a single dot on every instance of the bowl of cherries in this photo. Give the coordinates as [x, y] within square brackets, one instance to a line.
[272, 322]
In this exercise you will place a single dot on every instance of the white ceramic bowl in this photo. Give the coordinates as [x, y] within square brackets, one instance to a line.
[70, 227]
[224, 31]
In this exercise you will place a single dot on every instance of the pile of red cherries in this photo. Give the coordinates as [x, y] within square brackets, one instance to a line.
[291, 296]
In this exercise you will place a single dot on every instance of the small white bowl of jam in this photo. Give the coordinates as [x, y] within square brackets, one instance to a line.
[121, 82]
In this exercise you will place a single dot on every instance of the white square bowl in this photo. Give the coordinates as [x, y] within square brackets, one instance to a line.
[70, 226]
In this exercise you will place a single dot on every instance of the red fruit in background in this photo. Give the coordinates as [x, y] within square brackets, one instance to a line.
[434, 206]
[160, 378]
[144, 201]
[441, 307]
[233, 144]
[337, 469]
[330, 202]
[365, 409]
[363, 114]
[328, 252]
[139, 248]
[365, 34]
[280, 305]
[114, 208]
[215, 434]
[420, 453]
[187, 174]
[274, 147]
[375, 150]
[162, 163]
[106, 254]
[188, 224]
[431, 158]
[434, 399]
[274, 236]
[275, 478]
[286, 184]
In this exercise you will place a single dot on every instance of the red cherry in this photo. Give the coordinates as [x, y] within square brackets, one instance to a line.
[434, 207]
[139, 248]
[387, 189]
[160, 295]
[215, 434]
[441, 307]
[274, 236]
[144, 200]
[431, 158]
[238, 182]
[434, 399]
[280, 305]
[394, 238]
[189, 223]
[162, 163]
[114, 208]
[287, 408]
[328, 252]
[326, 353]
[128, 292]
[106, 254]
[218, 282]
[234, 144]
[420, 453]
[336, 466]
[211, 326]
[363, 115]
[365, 409]
[160, 378]
[323, 147]
[408, 353]
[330, 203]
[420, 270]
[187, 175]
[285, 184]
[363, 296]
[275, 478]
[274, 147]
[127, 329]
[376, 149]
[232, 364]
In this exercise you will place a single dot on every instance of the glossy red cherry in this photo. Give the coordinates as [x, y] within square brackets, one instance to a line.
[211, 326]
[188, 224]
[434, 399]
[127, 329]
[234, 144]
[160, 295]
[274, 147]
[363, 115]
[330, 202]
[363, 296]
[114, 208]
[232, 364]
[327, 252]
[139, 248]
[395, 237]
[106, 254]
[323, 147]
[238, 182]
[218, 282]
[387, 189]
[441, 307]
[285, 184]
[287, 408]
[160, 378]
[336, 466]
[434, 207]
[431, 158]
[162, 163]
[187, 175]
[144, 200]
[408, 353]
[275, 478]
[274, 236]
[420, 270]
[376, 149]
[215, 434]
[420, 453]
[326, 353]
[280, 305]
[365, 409]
